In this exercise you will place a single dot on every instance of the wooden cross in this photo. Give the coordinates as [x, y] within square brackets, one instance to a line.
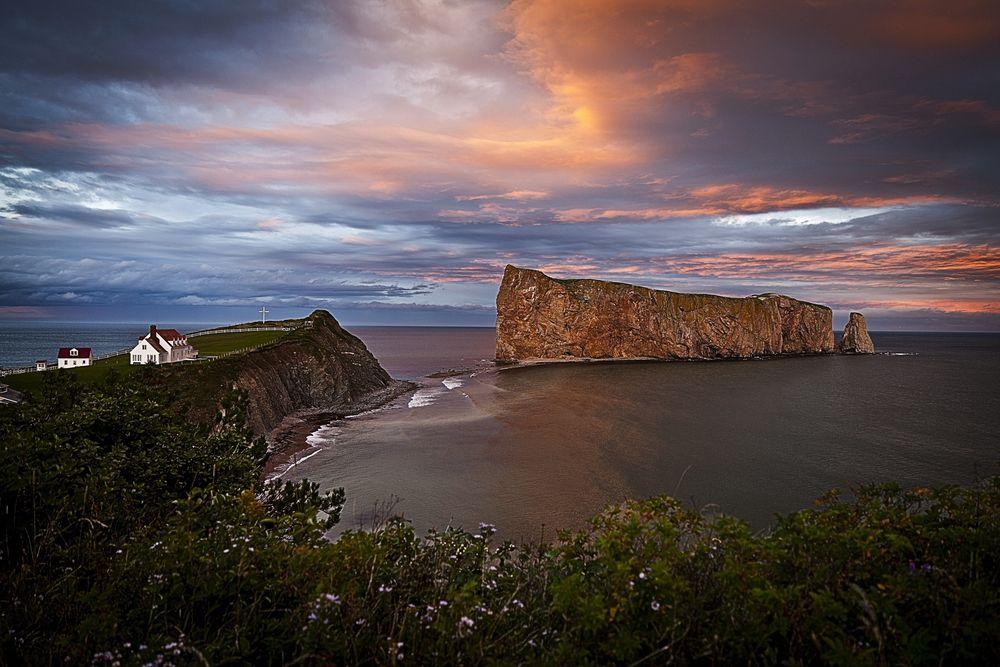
[263, 314]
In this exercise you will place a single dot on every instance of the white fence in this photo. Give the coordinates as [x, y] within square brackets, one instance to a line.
[16, 371]
[208, 332]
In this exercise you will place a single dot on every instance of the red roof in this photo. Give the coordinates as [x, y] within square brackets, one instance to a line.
[82, 353]
[155, 344]
[170, 334]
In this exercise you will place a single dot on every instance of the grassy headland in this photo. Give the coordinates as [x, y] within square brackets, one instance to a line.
[222, 343]
[129, 534]
[208, 346]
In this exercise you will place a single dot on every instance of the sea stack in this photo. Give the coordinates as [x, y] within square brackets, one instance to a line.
[856, 339]
[539, 317]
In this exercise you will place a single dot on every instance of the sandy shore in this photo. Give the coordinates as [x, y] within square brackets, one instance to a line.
[290, 437]
[290, 440]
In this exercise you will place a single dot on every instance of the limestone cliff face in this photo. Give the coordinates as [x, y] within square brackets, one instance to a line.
[318, 367]
[539, 317]
[856, 339]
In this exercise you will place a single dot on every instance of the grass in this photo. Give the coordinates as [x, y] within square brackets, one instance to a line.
[216, 344]
[207, 346]
[32, 382]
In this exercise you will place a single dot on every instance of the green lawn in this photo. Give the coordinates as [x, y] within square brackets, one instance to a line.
[89, 375]
[207, 346]
[216, 344]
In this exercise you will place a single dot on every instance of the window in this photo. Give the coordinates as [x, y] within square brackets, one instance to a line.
[144, 346]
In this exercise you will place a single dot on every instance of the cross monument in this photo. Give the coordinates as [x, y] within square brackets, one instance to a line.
[263, 314]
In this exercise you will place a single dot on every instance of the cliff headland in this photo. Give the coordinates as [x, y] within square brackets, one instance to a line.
[317, 372]
[539, 317]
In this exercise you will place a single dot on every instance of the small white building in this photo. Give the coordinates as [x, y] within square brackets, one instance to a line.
[42, 365]
[73, 357]
[162, 346]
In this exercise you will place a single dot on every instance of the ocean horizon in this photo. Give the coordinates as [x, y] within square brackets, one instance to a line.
[22, 342]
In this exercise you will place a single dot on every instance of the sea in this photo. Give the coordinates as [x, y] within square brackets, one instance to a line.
[535, 450]
[538, 449]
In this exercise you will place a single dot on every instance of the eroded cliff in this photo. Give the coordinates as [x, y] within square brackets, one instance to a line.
[319, 367]
[539, 317]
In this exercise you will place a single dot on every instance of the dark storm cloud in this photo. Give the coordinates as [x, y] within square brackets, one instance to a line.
[81, 216]
[28, 280]
[104, 60]
[153, 42]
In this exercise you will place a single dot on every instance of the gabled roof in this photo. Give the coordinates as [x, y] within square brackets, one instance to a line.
[82, 353]
[170, 334]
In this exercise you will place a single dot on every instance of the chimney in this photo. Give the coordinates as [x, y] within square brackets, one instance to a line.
[152, 330]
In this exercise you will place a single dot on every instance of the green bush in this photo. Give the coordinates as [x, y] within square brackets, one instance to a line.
[131, 536]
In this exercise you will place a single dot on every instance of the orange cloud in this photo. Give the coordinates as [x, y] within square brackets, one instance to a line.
[986, 305]
[899, 261]
[347, 157]
[734, 199]
[604, 60]
[516, 195]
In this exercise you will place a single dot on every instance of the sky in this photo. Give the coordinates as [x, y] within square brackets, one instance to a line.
[386, 160]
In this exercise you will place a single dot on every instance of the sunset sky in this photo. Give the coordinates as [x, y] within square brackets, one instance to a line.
[386, 160]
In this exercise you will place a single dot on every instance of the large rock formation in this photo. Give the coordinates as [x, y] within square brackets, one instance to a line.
[539, 317]
[319, 367]
[856, 339]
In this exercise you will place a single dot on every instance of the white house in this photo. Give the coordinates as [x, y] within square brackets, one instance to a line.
[42, 365]
[162, 346]
[73, 357]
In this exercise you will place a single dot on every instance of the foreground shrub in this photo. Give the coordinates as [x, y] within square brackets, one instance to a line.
[138, 540]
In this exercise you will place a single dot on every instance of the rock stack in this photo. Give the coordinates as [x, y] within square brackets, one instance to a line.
[856, 339]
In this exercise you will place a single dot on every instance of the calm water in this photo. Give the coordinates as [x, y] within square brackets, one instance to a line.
[23, 342]
[411, 353]
[536, 449]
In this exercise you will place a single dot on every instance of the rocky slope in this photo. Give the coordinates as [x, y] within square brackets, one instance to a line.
[320, 368]
[539, 317]
[856, 339]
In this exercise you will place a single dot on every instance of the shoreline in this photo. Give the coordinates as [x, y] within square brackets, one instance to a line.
[291, 436]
